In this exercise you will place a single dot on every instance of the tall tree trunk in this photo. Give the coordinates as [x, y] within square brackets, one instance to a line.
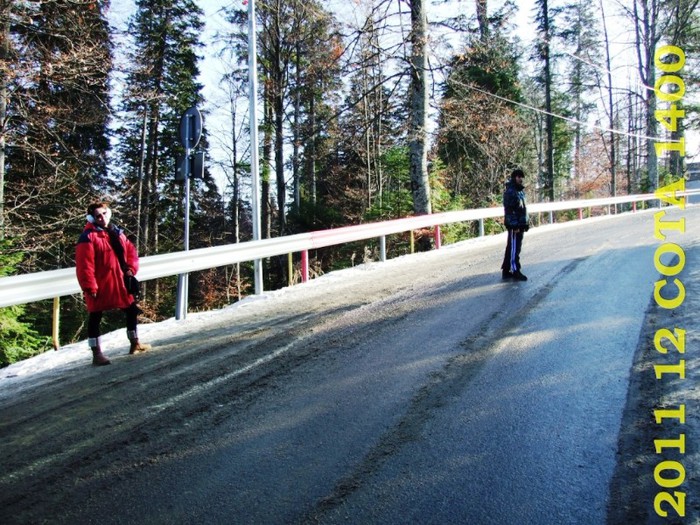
[276, 75]
[154, 195]
[612, 150]
[4, 59]
[141, 241]
[482, 18]
[279, 171]
[266, 160]
[631, 153]
[296, 125]
[378, 151]
[367, 132]
[646, 40]
[235, 197]
[279, 161]
[682, 28]
[311, 157]
[549, 119]
[418, 152]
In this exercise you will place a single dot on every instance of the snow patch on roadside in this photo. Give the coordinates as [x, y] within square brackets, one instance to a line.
[54, 364]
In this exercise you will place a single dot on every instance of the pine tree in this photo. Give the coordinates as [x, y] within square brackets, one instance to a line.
[343, 138]
[298, 48]
[55, 64]
[161, 84]
[545, 27]
[481, 135]
[18, 339]
[316, 74]
[645, 17]
[612, 145]
[55, 73]
[653, 22]
[580, 35]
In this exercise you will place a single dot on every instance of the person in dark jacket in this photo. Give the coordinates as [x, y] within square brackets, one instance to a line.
[101, 278]
[516, 222]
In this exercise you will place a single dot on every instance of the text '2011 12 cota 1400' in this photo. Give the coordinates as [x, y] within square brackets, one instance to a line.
[669, 293]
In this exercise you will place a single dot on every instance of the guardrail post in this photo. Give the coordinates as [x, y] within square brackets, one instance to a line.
[481, 227]
[290, 269]
[551, 217]
[182, 293]
[438, 240]
[634, 206]
[55, 324]
[382, 248]
[580, 214]
[305, 266]
[412, 242]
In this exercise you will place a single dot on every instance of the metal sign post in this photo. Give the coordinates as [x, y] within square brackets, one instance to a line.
[190, 133]
[253, 109]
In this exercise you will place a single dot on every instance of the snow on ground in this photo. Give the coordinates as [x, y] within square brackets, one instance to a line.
[51, 365]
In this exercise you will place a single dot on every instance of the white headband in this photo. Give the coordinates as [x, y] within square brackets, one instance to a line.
[108, 216]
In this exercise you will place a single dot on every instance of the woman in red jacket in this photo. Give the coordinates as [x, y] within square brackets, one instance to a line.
[102, 279]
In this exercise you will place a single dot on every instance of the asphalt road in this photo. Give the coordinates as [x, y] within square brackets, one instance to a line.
[424, 390]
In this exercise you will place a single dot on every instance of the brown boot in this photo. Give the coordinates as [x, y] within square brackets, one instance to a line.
[137, 347]
[98, 358]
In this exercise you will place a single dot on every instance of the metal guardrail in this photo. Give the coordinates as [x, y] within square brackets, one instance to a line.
[20, 289]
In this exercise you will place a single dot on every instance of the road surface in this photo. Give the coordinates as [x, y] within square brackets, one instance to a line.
[420, 390]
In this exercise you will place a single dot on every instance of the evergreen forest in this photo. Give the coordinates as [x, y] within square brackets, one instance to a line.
[368, 110]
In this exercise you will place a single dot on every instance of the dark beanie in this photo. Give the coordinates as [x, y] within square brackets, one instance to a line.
[517, 173]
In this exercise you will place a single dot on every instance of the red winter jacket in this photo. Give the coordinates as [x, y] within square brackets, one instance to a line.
[98, 270]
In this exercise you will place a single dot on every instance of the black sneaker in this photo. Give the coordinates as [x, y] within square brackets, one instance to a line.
[505, 274]
[519, 276]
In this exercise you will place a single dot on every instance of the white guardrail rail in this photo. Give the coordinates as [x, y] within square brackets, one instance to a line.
[27, 288]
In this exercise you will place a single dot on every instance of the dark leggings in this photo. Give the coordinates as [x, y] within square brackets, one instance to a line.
[95, 318]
